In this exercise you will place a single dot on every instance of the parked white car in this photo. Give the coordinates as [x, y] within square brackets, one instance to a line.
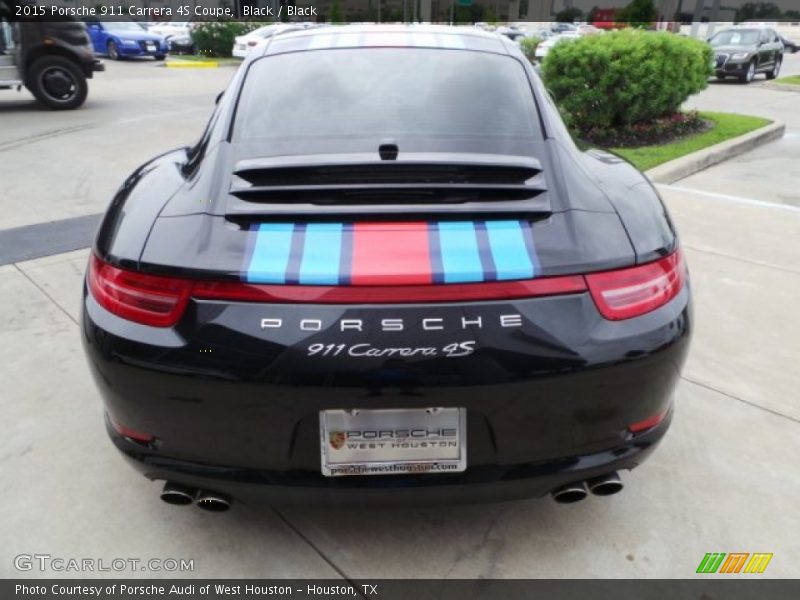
[243, 44]
[168, 29]
[543, 48]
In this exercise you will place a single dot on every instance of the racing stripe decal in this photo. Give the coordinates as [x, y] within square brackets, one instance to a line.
[461, 260]
[399, 253]
[322, 249]
[270, 257]
[390, 254]
[509, 250]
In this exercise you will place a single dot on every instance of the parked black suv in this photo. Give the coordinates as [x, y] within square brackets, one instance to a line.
[743, 52]
[53, 60]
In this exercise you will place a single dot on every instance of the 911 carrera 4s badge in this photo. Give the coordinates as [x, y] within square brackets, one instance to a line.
[401, 253]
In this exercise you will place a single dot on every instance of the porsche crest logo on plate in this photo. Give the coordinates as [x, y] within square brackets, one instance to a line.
[337, 439]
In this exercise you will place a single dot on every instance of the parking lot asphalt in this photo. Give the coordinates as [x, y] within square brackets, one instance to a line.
[725, 478]
[56, 165]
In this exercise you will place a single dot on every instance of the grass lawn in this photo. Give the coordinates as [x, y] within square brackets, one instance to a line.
[793, 80]
[726, 126]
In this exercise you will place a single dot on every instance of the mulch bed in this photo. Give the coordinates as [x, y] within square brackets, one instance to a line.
[661, 131]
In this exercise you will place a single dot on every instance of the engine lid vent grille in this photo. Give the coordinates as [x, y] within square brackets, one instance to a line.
[421, 183]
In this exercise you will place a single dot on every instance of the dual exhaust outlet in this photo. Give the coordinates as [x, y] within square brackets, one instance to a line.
[179, 495]
[604, 485]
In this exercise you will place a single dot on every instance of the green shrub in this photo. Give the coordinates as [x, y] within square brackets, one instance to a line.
[639, 13]
[625, 77]
[528, 46]
[215, 38]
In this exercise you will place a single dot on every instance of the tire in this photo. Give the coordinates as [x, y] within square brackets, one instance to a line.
[776, 69]
[57, 82]
[159, 57]
[750, 74]
[113, 50]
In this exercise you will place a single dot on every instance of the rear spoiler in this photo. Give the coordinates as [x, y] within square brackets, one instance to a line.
[446, 186]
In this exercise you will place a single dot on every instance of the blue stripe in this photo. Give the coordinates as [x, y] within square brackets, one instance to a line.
[461, 260]
[509, 250]
[271, 253]
[321, 254]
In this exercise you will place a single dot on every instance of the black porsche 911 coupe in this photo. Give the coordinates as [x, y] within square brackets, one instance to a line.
[386, 275]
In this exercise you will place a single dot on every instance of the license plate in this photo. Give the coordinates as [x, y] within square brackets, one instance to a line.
[393, 441]
[151, 47]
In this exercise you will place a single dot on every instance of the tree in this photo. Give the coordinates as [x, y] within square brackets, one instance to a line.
[757, 10]
[639, 13]
[336, 12]
[569, 15]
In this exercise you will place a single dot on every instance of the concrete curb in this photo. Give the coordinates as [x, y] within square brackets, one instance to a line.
[192, 64]
[785, 87]
[690, 164]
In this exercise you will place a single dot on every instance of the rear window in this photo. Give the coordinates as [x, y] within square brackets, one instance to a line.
[386, 93]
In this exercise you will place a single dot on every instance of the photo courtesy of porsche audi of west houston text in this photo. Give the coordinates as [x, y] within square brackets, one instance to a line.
[154, 590]
[391, 279]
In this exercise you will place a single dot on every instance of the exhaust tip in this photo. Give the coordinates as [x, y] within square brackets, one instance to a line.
[570, 493]
[177, 495]
[213, 502]
[605, 485]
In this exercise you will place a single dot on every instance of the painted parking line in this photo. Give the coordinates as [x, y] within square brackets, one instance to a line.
[729, 198]
[46, 239]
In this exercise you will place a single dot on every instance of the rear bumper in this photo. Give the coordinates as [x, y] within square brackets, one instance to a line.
[490, 483]
[236, 410]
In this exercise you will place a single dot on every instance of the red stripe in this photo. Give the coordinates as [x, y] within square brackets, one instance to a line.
[391, 254]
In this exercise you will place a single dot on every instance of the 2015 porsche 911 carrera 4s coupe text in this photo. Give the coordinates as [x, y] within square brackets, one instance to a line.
[386, 275]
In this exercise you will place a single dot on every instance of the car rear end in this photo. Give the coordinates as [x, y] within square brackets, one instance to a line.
[399, 291]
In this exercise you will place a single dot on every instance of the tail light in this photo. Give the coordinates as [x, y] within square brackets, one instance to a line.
[647, 424]
[390, 294]
[133, 434]
[147, 299]
[631, 292]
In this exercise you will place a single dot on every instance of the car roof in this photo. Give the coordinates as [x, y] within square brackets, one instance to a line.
[398, 35]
